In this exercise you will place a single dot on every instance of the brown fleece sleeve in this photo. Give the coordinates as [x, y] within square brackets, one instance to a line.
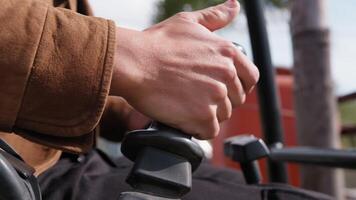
[55, 72]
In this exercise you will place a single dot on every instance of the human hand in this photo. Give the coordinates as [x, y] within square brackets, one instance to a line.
[119, 117]
[180, 73]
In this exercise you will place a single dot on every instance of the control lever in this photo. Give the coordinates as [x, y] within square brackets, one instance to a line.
[247, 149]
[164, 159]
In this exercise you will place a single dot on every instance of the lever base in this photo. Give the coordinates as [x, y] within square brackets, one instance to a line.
[251, 171]
[161, 173]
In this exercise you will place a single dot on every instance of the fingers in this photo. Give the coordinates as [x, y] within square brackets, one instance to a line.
[209, 130]
[236, 92]
[240, 78]
[246, 71]
[235, 89]
[246, 75]
[239, 75]
[224, 110]
[216, 17]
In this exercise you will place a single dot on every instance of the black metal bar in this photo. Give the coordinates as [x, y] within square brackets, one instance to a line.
[316, 156]
[251, 171]
[268, 99]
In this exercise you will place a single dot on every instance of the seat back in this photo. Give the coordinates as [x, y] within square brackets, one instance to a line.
[17, 179]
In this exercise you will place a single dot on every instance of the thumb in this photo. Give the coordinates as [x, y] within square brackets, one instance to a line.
[216, 17]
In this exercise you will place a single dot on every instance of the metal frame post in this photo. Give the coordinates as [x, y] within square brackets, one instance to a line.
[267, 94]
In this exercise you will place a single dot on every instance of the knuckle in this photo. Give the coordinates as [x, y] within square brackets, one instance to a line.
[211, 14]
[183, 15]
[228, 49]
[218, 92]
[216, 13]
[228, 73]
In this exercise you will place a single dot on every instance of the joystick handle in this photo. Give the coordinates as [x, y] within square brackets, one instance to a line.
[164, 159]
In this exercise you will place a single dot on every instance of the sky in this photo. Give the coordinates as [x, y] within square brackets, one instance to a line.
[138, 14]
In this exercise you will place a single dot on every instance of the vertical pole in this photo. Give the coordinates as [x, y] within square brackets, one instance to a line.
[315, 102]
[268, 99]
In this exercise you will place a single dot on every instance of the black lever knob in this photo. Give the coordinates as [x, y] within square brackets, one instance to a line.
[164, 160]
[247, 149]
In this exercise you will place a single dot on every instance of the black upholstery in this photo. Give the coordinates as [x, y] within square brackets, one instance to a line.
[17, 179]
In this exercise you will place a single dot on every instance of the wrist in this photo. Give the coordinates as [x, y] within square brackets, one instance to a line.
[125, 74]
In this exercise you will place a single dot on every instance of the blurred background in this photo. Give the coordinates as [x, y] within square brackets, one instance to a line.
[337, 16]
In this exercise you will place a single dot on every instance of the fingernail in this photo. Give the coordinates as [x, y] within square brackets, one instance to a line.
[231, 3]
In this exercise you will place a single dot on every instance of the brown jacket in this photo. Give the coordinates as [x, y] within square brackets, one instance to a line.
[55, 73]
